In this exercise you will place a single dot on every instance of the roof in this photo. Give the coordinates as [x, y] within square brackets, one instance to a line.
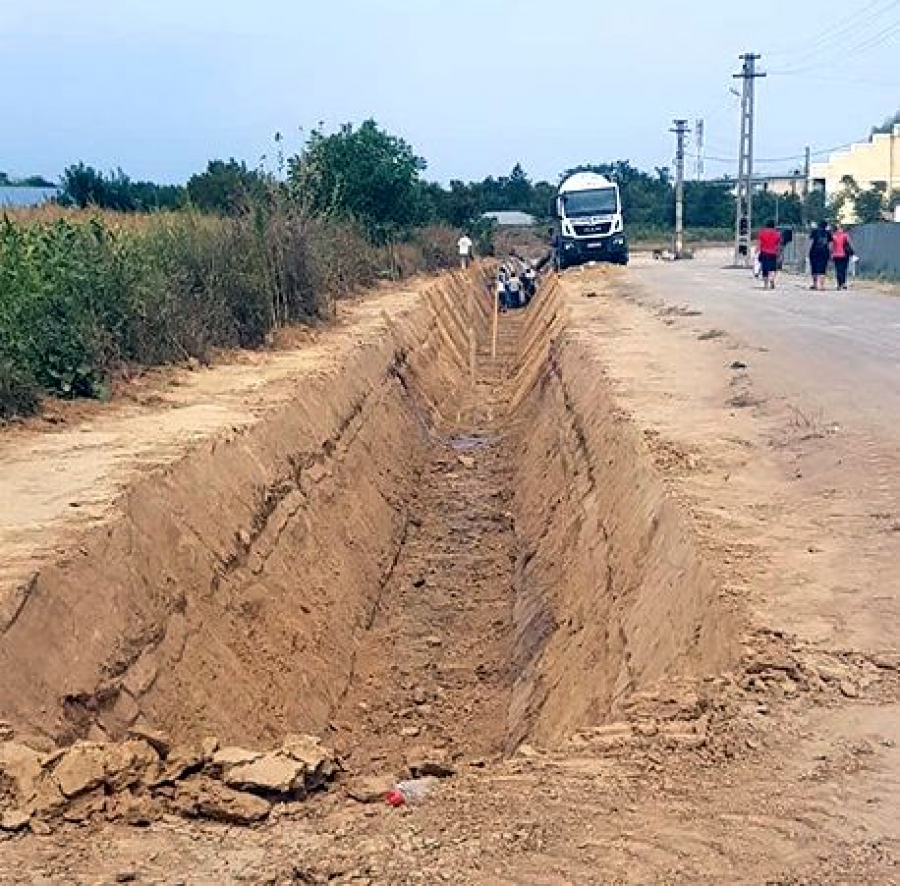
[508, 218]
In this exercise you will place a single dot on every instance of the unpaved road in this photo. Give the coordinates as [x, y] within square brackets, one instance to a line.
[759, 481]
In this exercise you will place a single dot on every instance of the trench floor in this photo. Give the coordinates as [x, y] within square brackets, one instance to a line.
[434, 669]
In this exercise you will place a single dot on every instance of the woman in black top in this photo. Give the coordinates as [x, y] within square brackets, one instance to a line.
[819, 254]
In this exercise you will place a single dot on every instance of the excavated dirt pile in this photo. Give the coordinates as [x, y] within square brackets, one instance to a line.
[410, 561]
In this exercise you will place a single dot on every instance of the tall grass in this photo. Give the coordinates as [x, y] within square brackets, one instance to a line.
[83, 295]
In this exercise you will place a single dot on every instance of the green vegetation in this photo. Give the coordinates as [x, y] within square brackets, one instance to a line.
[142, 273]
[868, 204]
[82, 186]
[30, 181]
[888, 124]
[80, 298]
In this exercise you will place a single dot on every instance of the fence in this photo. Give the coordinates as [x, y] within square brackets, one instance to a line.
[877, 246]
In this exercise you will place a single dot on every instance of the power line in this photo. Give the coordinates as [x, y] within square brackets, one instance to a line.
[777, 159]
[831, 36]
[870, 40]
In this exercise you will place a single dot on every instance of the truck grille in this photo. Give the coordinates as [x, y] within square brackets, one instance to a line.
[588, 230]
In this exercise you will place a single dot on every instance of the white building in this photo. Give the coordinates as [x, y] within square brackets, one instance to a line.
[873, 162]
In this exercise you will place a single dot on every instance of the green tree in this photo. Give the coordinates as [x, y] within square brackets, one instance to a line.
[227, 187]
[708, 205]
[83, 186]
[888, 124]
[870, 204]
[361, 173]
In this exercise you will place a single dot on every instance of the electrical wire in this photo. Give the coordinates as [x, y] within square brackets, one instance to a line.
[818, 153]
[832, 36]
[869, 41]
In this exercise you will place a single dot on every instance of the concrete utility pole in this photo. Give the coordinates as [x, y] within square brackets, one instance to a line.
[698, 130]
[806, 173]
[744, 202]
[680, 131]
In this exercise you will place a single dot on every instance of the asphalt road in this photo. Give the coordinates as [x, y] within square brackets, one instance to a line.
[838, 351]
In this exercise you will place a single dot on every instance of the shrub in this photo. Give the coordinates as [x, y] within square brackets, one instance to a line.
[82, 295]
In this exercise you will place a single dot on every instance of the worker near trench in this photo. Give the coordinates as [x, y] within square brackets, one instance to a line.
[464, 244]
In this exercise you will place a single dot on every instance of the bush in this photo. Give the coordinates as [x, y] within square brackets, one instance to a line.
[81, 296]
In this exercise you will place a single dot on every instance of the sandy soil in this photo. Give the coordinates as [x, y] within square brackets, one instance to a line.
[641, 601]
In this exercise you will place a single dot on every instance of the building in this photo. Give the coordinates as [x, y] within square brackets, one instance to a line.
[781, 184]
[511, 218]
[873, 162]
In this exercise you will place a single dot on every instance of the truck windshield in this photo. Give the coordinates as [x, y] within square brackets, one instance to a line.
[600, 202]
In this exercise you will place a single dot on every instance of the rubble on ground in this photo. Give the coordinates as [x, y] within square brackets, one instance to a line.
[149, 775]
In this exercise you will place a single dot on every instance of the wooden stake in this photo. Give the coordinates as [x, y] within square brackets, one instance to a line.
[496, 323]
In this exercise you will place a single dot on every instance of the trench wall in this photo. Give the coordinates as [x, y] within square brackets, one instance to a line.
[613, 593]
[224, 595]
[228, 592]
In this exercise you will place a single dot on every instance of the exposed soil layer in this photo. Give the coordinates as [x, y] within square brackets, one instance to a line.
[501, 550]
[536, 578]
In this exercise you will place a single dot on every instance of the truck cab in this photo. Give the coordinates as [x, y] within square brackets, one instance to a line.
[589, 226]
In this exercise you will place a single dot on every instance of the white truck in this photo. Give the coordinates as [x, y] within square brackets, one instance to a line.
[589, 221]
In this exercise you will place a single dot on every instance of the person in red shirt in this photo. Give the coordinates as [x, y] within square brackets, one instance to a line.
[768, 246]
[841, 252]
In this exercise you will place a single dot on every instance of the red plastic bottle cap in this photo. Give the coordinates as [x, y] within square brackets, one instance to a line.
[394, 798]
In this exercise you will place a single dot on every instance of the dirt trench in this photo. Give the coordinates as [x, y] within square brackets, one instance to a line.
[401, 554]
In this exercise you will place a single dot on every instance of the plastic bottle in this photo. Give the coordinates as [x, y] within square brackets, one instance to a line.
[412, 791]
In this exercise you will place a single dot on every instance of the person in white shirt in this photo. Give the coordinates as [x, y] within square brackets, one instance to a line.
[514, 287]
[465, 251]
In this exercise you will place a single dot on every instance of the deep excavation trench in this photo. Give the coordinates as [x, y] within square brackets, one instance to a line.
[398, 558]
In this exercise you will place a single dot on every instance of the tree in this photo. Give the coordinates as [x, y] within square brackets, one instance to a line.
[888, 125]
[870, 204]
[708, 205]
[227, 187]
[364, 174]
[82, 186]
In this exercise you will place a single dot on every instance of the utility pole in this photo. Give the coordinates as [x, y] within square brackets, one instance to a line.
[744, 201]
[806, 173]
[680, 131]
[698, 130]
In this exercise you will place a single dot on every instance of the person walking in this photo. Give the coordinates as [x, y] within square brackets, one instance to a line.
[768, 246]
[464, 244]
[530, 282]
[502, 296]
[819, 254]
[841, 252]
[514, 288]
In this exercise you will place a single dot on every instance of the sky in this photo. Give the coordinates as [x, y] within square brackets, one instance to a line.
[158, 87]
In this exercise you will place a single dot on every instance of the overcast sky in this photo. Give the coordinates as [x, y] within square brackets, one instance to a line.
[160, 86]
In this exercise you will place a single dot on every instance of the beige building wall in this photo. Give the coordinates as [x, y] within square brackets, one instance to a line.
[872, 162]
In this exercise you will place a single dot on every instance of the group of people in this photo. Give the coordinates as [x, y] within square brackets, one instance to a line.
[515, 290]
[826, 245]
